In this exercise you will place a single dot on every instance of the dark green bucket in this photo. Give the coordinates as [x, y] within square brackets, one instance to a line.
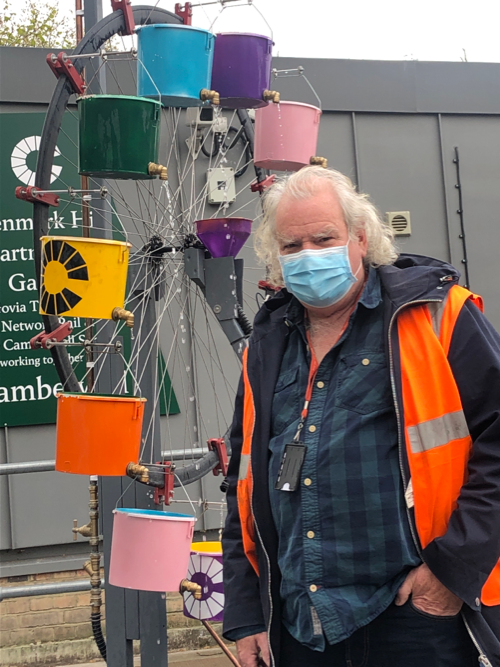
[119, 135]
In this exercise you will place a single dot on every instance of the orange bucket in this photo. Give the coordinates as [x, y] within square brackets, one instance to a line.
[98, 434]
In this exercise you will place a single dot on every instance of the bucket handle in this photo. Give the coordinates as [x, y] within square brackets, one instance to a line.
[150, 78]
[252, 4]
[210, 42]
[299, 71]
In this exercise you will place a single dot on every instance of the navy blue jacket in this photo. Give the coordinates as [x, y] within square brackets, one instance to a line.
[463, 558]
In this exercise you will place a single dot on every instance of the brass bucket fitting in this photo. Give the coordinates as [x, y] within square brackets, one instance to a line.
[87, 566]
[122, 314]
[271, 96]
[84, 531]
[135, 470]
[211, 95]
[158, 170]
[190, 587]
[317, 161]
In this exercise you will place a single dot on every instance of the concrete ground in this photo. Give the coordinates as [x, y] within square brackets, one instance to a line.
[209, 657]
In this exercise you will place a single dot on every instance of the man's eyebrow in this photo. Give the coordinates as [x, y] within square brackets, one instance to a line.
[328, 231]
[331, 230]
[282, 238]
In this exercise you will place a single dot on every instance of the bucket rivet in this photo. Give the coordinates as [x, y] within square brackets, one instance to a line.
[217, 309]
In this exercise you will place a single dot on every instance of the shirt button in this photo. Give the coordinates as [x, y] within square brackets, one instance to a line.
[365, 362]
[320, 385]
[308, 481]
[310, 534]
[312, 428]
[478, 602]
[313, 588]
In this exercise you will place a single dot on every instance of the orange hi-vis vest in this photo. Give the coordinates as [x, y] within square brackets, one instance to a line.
[438, 442]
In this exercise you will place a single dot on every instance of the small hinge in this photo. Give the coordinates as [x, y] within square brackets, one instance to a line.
[61, 64]
[59, 334]
[260, 186]
[165, 494]
[185, 13]
[33, 195]
[128, 16]
[218, 446]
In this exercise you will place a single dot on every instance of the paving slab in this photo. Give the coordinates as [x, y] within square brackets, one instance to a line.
[209, 657]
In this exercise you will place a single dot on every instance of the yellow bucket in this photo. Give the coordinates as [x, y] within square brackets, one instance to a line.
[83, 277]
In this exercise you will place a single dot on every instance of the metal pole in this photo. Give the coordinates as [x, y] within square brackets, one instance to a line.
[27, 466]
[152, 606]
[49, 466]
[45, 589]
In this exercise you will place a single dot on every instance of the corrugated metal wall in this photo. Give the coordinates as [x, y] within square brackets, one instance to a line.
[393, 128]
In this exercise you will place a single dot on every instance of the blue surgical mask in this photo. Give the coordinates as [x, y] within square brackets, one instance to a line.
[318, 278]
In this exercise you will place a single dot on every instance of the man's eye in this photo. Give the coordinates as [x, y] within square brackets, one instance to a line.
[324, 239]
[289, 246]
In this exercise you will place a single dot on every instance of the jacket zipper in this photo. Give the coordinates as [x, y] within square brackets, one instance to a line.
[268, 584]
[398, 414]
[483, 660]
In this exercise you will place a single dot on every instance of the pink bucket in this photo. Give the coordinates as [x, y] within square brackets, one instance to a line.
[149, 549]
[286, 135]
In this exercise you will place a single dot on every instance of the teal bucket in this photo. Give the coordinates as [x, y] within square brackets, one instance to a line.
[118, 136]
[174, 63]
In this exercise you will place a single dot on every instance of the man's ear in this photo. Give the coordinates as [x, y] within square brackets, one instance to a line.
[362, 240]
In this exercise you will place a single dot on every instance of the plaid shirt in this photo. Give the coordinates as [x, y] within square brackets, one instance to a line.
[344, 539]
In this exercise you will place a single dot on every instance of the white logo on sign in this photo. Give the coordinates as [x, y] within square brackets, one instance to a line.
[20, 155]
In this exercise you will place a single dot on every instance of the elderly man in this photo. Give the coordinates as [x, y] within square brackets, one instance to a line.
[363, 523]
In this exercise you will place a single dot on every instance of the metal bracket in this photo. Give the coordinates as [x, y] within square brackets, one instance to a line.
[61, 64]
[59, 334]
[193, 265]
[268, 289]
[218, 446]
[126, 7]
[165, 494]
[186, 13]
[260, 186]
[33, 195]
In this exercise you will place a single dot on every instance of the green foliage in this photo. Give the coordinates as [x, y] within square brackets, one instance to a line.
[38, 24]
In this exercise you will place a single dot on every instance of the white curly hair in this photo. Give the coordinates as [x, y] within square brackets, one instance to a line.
[359, 213]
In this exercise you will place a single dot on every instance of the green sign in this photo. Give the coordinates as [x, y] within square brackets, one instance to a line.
[28, 380]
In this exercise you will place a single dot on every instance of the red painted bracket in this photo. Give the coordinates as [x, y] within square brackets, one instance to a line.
[32, 194]
[126, 7]
[61, 64]
[218, 446]
[267, 287]
[165, 494]
[185, 13]
[59, 334]
[260, 186]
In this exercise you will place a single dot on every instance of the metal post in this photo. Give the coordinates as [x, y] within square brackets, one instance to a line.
[121, 605]
[152, 606]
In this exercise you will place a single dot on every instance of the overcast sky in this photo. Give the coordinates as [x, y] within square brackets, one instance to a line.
[365, 29]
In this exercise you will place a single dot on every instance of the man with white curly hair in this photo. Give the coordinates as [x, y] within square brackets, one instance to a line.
[363, 523]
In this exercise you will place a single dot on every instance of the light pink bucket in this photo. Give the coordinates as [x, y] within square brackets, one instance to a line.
[150, 550]
[286, 135]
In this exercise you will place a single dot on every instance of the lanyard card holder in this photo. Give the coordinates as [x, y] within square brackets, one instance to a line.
[291, 465]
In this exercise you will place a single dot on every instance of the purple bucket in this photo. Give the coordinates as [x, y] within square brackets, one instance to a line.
[224, 237]
[242, 69]
[205, 569]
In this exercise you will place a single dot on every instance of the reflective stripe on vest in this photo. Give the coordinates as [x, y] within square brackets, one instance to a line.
[438, 442]
[245, 479]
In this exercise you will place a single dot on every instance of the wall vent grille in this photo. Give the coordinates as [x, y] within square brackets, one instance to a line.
[400, 222]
